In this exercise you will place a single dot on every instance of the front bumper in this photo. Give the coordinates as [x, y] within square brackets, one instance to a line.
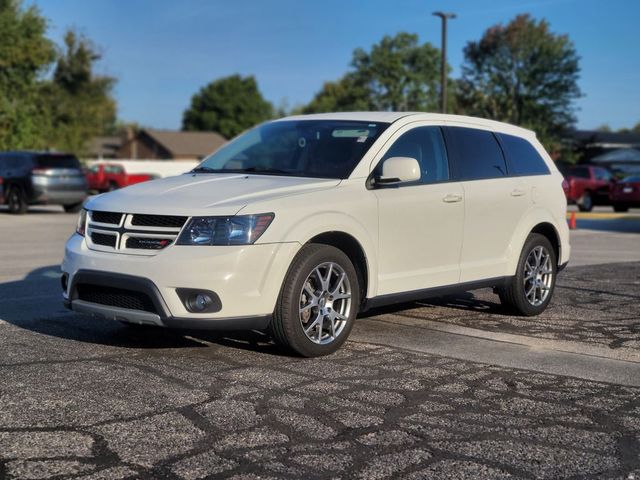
[247, 279]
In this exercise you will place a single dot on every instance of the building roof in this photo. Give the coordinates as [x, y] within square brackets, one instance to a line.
[187, 144]
[621, 155]
[605, 139]
[105, 147]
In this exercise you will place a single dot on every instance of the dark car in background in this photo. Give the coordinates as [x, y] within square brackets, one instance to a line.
[625, 194]
[37, 178]
[588, 185]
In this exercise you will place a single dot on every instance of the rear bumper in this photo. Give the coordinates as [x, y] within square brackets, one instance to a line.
[42, 195]
[161, 316]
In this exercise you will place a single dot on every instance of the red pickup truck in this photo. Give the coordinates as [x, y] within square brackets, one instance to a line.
[105, 177]
[588, 186]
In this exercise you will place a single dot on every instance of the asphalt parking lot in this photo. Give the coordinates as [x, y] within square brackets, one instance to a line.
[449, 388]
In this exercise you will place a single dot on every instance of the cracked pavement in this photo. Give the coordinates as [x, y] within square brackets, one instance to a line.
[93, 399]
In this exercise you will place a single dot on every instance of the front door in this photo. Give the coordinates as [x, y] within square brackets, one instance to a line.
[420, 224]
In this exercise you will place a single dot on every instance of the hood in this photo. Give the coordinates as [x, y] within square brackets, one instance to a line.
[204, 194]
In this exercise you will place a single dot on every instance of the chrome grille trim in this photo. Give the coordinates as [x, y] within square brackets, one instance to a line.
[125, 230]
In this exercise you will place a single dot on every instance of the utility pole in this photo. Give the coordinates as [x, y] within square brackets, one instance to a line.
[443, 58]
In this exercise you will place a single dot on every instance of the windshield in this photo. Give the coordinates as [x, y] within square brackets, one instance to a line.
[306, 148]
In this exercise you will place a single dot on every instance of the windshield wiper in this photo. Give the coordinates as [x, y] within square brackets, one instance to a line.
[264, 170]
[203, 170]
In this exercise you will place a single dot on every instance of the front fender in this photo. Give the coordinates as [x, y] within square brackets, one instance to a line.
[307, 228]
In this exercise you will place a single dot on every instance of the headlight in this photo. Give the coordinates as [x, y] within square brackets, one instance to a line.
[82, 222]
[236, 230]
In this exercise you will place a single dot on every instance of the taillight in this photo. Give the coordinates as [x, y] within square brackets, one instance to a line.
[1, 180]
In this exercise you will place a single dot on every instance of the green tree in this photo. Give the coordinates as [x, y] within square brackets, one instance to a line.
[344, 95]
[524, 74]
[25, 56]
[398, 73]
[80, 102]
[228, 106]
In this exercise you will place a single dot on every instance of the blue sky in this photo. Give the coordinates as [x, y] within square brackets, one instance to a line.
[163, 51]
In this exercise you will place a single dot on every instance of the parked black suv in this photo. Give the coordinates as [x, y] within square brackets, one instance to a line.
[30, 178]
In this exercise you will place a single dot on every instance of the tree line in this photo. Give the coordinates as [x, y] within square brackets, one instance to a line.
[521, 73]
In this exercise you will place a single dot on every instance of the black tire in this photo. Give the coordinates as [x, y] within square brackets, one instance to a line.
[585, 202]
[620, 207]
[513, 295]
[112, 186]
[16, 201]
[286, 325]
[73, 208]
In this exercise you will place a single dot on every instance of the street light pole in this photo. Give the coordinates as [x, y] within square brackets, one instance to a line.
[443, 59]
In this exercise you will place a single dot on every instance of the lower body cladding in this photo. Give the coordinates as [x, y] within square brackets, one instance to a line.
[191, 287]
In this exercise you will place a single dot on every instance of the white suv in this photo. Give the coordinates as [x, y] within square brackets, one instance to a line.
[300, 223]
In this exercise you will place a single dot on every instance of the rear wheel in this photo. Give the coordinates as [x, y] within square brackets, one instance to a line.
[530, 290]
[73, 208]
[15, 200]
[585, 202]
[112, 186]
[318, 302]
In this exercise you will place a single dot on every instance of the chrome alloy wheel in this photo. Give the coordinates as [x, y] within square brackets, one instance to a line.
[325, 303]
[538, 276]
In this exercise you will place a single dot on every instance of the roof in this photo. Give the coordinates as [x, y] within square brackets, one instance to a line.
[621, 155]
[179, 143]
[390, 117]
[598, 137]
[105, 146]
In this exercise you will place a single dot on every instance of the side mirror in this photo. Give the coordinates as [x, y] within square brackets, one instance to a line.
[396, 170]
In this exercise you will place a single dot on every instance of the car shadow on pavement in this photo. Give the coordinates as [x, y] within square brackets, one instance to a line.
[35, 304]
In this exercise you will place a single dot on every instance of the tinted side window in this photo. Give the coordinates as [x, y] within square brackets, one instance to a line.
[478, 154]
[426, 145]
[524, 159]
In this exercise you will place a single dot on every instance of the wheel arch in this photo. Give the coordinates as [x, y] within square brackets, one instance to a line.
[538, 221]
[353, 249]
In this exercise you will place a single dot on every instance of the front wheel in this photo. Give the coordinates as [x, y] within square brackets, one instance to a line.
[318, 302]
[529, 291]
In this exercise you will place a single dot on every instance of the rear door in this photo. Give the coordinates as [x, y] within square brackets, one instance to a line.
[494, 201]
[420, 224]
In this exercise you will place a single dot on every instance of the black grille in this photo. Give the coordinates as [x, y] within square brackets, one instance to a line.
[167, 221]
[148, 243]
[115, 297]
[106, 217]
[103, 239]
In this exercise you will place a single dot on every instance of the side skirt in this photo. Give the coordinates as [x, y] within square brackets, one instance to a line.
[412, 296]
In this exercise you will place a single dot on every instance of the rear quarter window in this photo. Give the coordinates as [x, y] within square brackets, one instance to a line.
[523, 158]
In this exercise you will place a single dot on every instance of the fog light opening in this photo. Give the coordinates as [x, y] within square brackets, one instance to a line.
[199, 302]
